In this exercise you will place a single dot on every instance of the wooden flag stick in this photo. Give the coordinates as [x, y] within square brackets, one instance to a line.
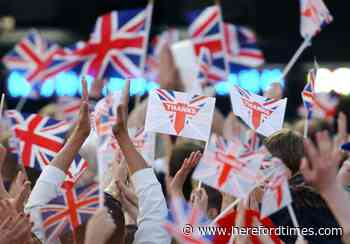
[289, 66]
[294, 220]
[306, 127]
[227, 210]
[2, 104]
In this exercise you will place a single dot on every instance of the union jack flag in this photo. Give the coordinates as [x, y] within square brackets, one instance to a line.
[321, 105]
[308, 93]
[105, 114]
[228, 167]
[76, 169]
[66, 212]
[277, 194]
[39, 138]
[205, 76]
[117, 46]
[33, 56]
[206, 31]
[241, 47]
[314, 16]
[182, 214]
[263, 115]
[180, 112]
[68, 108]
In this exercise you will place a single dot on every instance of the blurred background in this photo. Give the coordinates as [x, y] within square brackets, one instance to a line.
[275, 22]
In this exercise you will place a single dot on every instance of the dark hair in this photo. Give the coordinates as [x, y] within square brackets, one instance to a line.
[115, 210]
[214, 198]
[288, 146]
[178, 154]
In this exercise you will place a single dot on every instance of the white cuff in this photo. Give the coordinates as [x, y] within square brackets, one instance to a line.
[52, 175]
[143, 179]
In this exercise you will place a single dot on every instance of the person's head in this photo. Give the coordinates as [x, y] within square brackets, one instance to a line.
[288, 146]
[214, 201]
[315, 125]
[179, 153]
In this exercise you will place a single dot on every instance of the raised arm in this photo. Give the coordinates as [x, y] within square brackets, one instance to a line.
[120, 130]
[320, 170]
[82, 130]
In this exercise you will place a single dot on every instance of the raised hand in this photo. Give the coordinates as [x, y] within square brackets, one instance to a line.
[14, 227]
[342, 133]
[3, 193]
[100, 227]
[344, 174]
[128, 200]
[320, 168]
[121, 125]
[83, 124]
[176, 183]
[20, 191]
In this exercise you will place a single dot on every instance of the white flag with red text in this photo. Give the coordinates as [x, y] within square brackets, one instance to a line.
[180, 114]
[314, 16]
[261, 114]
[277, 194]
[228, 167]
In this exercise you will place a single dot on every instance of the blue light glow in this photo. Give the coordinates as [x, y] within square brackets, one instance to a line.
[68, 84]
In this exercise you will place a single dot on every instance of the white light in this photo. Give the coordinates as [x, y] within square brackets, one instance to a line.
[323, 80]
[341, 80]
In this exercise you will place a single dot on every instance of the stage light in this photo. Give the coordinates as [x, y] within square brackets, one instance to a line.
[17, 85]
[249, 80]
[341, 80]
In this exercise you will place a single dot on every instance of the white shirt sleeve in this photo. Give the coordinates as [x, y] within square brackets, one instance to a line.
[46, 188]
[152, 209]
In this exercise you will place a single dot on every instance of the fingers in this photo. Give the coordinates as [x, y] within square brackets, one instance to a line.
[2, 155]
[342, 127]
[311, 151]
[23, 196]
[125, 96]
[129, 194]
[306, 170]
[324, 143]
[85, 94]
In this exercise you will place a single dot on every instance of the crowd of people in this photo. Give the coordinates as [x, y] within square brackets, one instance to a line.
[138, 198]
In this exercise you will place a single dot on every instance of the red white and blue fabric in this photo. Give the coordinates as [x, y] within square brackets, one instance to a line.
[314, 16]
[68, 108]
[167, 37]
[206, 31]
[205, 75]
[66, 212]
[242, 48]
[182, 214]
[117, 46]
[228, 167]
[76, 169]
[39, 138]
[104, 115]
[277, 194]
[263, 115]
[33, 56]
[309, 93]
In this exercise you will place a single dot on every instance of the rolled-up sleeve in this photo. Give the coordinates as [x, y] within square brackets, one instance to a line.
[152, 209]
[46, 188]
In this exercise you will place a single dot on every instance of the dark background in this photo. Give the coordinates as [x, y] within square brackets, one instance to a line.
[276, 23]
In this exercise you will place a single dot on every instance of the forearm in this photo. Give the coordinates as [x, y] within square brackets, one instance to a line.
[67, 154]
[133, 158]
[338, 201]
